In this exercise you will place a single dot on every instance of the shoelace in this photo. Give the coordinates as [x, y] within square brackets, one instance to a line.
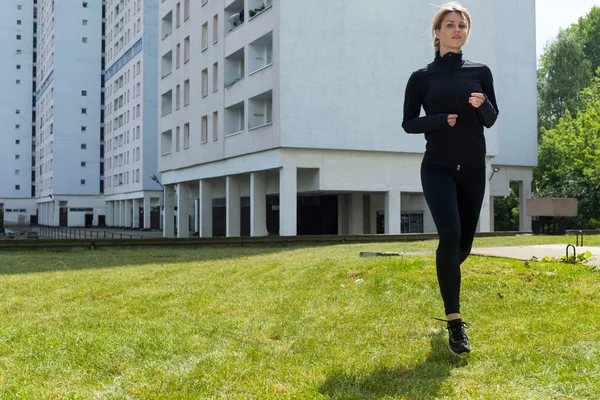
[462, 323]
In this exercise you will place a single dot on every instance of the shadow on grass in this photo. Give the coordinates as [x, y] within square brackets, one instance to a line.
[14, 263]
[421, 381]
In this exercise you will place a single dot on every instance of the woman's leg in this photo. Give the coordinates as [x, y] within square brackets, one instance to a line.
[470, 192]
[439, 188]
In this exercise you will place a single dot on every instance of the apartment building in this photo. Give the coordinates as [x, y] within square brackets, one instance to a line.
[284, 117]
[17, 163]
[131, 114]
[69, 143]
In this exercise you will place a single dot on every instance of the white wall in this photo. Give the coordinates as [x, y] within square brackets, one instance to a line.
[345, 66]
[16, 96]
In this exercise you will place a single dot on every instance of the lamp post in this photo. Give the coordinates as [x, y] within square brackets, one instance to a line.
[496, 169]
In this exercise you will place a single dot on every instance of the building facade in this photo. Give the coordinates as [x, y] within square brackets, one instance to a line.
[131, 114]
[284, 117]
[17, 160]
[69, 146]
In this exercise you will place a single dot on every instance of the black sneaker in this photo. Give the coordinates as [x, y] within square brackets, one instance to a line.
[457, 337]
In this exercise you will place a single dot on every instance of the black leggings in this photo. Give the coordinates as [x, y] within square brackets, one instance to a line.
[454, 199]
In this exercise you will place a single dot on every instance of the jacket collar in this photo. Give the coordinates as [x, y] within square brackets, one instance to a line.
[449, 59]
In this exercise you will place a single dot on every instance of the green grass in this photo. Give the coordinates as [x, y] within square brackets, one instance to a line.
[293, 323]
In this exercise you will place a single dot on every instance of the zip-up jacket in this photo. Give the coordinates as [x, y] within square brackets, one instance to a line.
[443, 87]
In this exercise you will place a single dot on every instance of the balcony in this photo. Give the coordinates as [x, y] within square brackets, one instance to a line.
[167, 25]
[234, 16]
[260, 110]
[166, 64]
[234, 67]
[260, 53]
[167, 103]
[234, 119]
[166, 142]
[257, 7]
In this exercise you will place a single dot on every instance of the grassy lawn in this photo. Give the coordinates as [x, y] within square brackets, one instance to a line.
[293, 323]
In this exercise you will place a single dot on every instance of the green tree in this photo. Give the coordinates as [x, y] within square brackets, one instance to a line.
[569, 158]
[563, 72]
[506, 210]
[587, 30]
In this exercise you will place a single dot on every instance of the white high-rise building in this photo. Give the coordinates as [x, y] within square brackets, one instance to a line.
[17, 57]
[130, 115]
[284, 117]
[68, 106]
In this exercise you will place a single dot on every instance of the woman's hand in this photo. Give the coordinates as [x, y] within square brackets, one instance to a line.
[477, 99]
[452, 119]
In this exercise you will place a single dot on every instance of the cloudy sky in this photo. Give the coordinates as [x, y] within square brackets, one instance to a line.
[554, 14]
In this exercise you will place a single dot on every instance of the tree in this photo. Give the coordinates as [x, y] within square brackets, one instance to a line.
[569, 157]
[587, 30]
[563, 72]
[506, 210]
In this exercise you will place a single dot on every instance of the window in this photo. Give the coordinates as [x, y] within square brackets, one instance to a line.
[17, 141]
[216, 28]
[84, 22]
[18, 37]
[186, 92]
[17, 157]
[19, 7]
[177, 55]
[205, 82]
[17, 111]
[18, 66]
[84, 110]
[177, 96]
[85, 4]
[18, 22]
[83, 146]
[215, 123]
[83, 128]
[186, 9]
[186, 136]
[177, 139]
[17, 172]
[17, 187]
[83, 163]
[19, 51]
[215, 77]
[178, 14]
[186, 49]
[17, 126]
[82, 181]
[18, 81]
[84, 92]
[205, 36]
[84, 40]
[204, 129]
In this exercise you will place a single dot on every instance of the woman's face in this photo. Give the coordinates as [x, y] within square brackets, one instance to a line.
[453, 32]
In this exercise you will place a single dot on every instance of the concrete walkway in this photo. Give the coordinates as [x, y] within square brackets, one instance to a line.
[540, 251]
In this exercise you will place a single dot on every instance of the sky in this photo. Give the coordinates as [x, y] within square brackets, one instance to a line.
[551, 15]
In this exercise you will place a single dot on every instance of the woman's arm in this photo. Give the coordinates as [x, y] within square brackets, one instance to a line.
[488, 111]
[413, 99]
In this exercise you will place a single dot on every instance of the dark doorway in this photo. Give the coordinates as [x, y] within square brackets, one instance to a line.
[155, 218]
[89, 220]
[63, 217]
[102, 221]
[317, 215]
[141, 217]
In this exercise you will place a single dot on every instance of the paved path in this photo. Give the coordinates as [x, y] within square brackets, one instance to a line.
[540, 251]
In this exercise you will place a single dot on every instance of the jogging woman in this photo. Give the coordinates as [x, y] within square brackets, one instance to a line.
[458, 98]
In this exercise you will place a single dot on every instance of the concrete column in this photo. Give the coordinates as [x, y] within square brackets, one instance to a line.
[524, 194]
[288, 201]
[232, 189]
[147, 211]
[196, 215]
[123, 221]
[356, 214]
[343, 214]
[392, 212]
[484, 215]
[205, 209]
[258, 204]
[128, 213]
[169, 212]
[136, 213]
[110, 212]
[56, 213]
[183, 210]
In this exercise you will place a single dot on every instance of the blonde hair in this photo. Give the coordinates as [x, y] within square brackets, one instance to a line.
[446, 8]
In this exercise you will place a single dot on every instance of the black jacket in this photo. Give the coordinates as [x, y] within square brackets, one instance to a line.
[442, 88]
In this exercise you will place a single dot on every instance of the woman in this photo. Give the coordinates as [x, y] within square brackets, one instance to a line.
[459, 101]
